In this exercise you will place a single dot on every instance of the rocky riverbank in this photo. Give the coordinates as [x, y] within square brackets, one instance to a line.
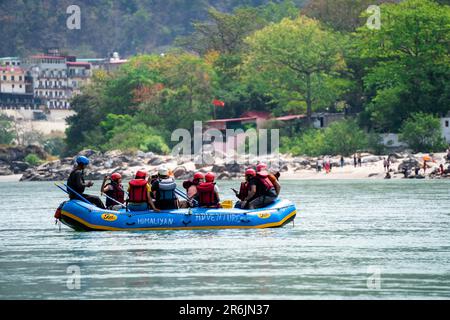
[102, 164]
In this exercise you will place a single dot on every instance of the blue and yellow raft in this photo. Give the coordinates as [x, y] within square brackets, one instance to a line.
[81, 216]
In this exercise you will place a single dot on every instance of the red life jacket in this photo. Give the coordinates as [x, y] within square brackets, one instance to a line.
[206, 194]
[243, 191]
[268, 188]
[138, 191]
[116, 193]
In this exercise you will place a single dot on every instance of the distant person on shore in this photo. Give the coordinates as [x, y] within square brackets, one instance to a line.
[416, 171]
[388, 165]
[385, 164]
[424, 166]
[319, 165]
[355, 161]
[388, 175]
[114, 191]
[448, 154]
[359, 160]
[441, 169]
[77, 183]
[405, 173]
[342, 161]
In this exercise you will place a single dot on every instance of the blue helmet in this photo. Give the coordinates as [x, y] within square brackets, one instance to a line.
[83, 160]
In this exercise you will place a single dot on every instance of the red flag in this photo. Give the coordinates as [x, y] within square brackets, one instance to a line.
[218, 103]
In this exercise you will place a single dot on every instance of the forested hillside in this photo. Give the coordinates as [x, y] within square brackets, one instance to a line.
[126, 26]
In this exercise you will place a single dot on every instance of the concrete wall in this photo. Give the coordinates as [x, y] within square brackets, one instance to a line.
[445, 125]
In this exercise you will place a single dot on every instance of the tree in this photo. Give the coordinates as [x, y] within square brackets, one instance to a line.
[422, 132]
[341, 15]
[6, 130]
[299, 57]
[411, 66]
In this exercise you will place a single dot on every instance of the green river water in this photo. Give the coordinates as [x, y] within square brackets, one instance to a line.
[366, 239]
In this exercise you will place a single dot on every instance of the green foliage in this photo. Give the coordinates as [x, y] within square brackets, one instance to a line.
[422, 132]
[297, 60]
[340, 138]
[54, 146]
[33, 159]
[410, 62]
[161, 92]
[129, 27]
[6, 132]
[123, 133]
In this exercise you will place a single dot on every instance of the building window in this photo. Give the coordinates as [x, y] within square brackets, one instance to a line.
[12, 78]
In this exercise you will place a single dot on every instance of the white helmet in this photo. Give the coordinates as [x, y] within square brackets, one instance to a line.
[163, 171]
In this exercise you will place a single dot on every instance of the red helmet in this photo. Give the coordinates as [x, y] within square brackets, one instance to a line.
[250, 172]
[210, 177]
[116, 176]
[141, 174]
[199, 176]
[260, 167]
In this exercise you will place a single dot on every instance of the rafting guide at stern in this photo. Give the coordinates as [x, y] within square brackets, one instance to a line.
[77, 185]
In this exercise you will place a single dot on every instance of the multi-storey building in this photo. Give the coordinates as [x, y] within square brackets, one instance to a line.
[12, 80]
[79, 74]
[10, 62]
[57, 78]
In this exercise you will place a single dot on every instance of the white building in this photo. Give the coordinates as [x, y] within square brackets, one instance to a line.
[445, 125]
[57, 78]
[12, 80]
[10, 62]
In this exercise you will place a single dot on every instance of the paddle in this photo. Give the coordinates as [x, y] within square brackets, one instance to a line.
[120, 204]
[76, 193]
[185, 197]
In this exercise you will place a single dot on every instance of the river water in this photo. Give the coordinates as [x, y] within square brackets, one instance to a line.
[370, 239]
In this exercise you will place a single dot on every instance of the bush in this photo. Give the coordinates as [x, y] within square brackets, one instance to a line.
[340, 138]
[422, 132]
[33, 159]
[129, 136]
[54, 146]
[6, 132]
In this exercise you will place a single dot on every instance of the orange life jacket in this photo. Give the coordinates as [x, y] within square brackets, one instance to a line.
[206, 194]
[138, 191]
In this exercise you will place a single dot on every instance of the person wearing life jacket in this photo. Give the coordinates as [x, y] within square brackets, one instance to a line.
[153, 179]
[272, 177]
[244, 189]
[164, 189]
[208, 192]
[261, 192]
[114, 191]
[192, 185]
[139, 190]
[77, 185]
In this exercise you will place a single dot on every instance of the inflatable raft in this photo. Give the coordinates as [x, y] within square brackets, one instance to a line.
[81, 216]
